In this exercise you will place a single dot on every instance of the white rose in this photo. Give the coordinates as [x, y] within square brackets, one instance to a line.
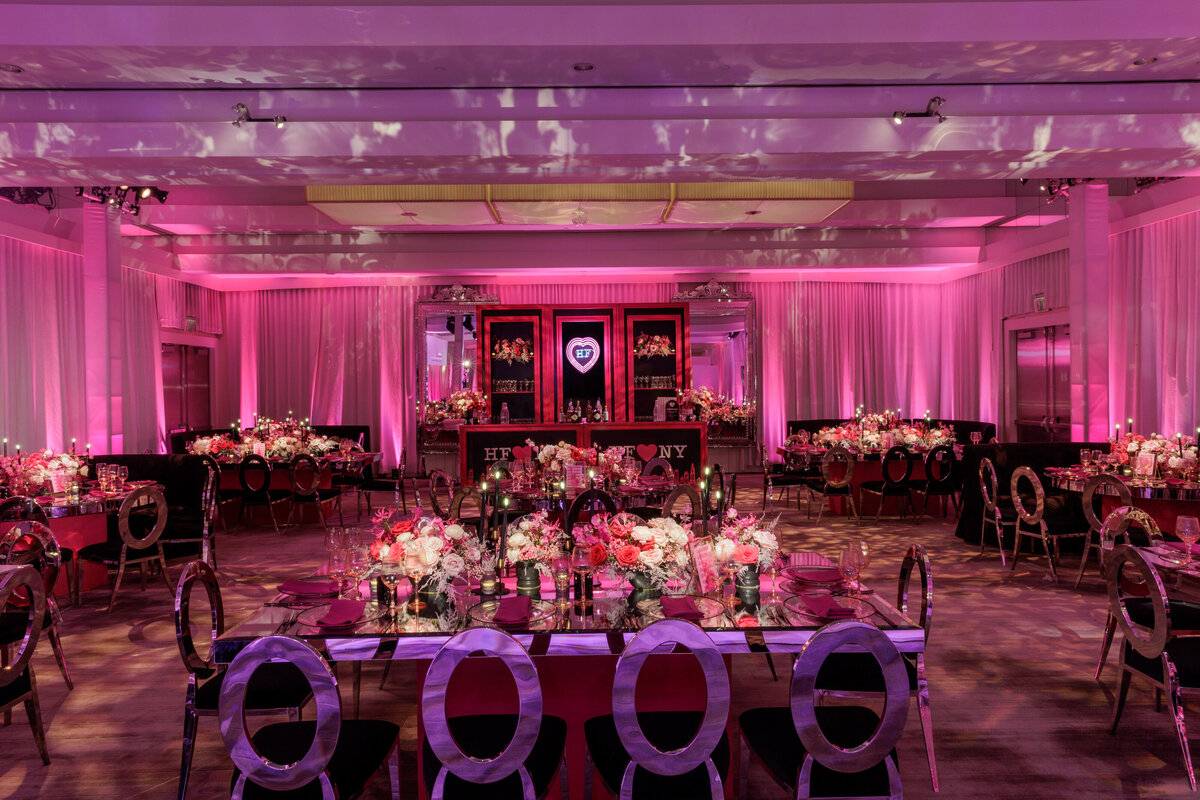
[407, 536]
[724, 549]
[429, 558]
[642, 534]
[455, 532]
[518, 540]
[651, 557]
[432, 544]
[428, 529]
[453, 564]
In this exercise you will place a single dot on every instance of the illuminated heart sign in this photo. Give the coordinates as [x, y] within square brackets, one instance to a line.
[583, 352]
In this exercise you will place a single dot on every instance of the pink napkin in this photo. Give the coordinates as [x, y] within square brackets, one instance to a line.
[513, 610]
[307, 587]
[1183, 548]
[342, 613]
[826, 607]
[681, 608]
[816, 574]
[654, 480]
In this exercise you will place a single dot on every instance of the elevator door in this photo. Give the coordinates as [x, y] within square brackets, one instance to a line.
[185, 386]
[1043, 384]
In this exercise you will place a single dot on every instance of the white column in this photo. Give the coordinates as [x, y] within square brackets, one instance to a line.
[103, 318]
[1087, 226]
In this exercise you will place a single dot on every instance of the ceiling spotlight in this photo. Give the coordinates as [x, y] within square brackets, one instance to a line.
[468, 323]
[29, 196]
[126, 198]
[244, 115]
[450, 324]
[933, 109]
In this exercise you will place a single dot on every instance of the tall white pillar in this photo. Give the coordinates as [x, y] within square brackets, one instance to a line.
[104, 321]
[1087, 226]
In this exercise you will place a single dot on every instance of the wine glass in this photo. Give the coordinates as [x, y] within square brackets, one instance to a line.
[857, 557]
[976, 437]
[122, 476]
[731, 567]
[1085, 458]
[335, 539]
[391, 570]
[773, 569]
[358, 564]
[337, 566]
[414, 567]
[581, 565]
[1188, 531]
[561, 569]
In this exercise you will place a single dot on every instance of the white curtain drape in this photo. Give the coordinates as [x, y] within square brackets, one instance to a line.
[547, 292]
[142, 411]
[178, 300]
[1154, 357]
[41, 346]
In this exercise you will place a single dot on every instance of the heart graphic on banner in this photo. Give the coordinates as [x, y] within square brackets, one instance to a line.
[583, 352]
[647, 451]
[522, 452]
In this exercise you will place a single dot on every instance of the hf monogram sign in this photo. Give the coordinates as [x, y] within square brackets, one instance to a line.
[583, 352]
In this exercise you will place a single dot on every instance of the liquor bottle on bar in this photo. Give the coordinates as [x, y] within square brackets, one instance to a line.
[597, 414]
[573, 411]
[587, 412]
[505, 417]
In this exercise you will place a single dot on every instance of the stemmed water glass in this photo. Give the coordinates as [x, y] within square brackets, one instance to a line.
[1188, 531]
[773, 569]
[731, 567]
[976, 437]
[854, 558]
[561, 568]
[581, 565]
[391, 571]
[414, 567]
[358, 564]
[1085, 458]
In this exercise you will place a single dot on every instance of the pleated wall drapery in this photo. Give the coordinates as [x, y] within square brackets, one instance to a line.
[41, 346]
[1154, 312]
[335, 356]
[142, 409]
[549, 293]
[178, 300]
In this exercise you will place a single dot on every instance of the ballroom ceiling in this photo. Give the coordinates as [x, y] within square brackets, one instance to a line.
[491, 97]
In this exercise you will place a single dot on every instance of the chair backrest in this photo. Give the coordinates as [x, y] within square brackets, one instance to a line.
[1104, 484]
[500, 645]
[656, 465]
[1028, 516]
[197, 571]
[731, 498]
[917, 557]
[305, 475]
[989, 485]
[502, 467]
[682, 490]
[138, 499]
[894, 454]
[212, 490]
[837, 455]
[21, 509]
[877, 748]
[939, 466]
[1149, 586]
[716, 489]
[439, 481]
[232, 709]
[1116, 525]
[24, 581]
[256, 464]
[461, 495]
[34, 544]
[642, 753]
[585, 504]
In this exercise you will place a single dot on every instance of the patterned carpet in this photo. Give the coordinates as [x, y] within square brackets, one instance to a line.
[1016, 711]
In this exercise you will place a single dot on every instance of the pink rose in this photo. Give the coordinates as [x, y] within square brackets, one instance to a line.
[599, 554]
[627, 554]
[746, 554]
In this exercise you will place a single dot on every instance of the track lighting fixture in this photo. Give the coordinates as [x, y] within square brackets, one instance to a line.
[127, 198]
[29, 196]
[243, 115]
[468, 323]
[933, 109]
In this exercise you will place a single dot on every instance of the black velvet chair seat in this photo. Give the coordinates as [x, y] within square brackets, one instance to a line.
[110, 553]
[272, 495]
[1185, 616]
[772, 737]
[887, 489]
[667, 730]
[15, 689]
[818, 485]
[1008, 514]
[363, 745]
[274, 685]
[183, 523]
[485, 736]
[1184, 654]
[14, 623]
[858, 672]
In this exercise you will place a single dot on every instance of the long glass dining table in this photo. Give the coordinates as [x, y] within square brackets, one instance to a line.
[575, 647]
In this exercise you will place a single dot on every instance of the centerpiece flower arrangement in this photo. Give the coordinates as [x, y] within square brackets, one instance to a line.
[714, 408]
[464, 403]
[222, 445]
[510, 350]
[646, 345]
[436, 412]
[747, 539]
[283, 440]
[1176, 456]
[445, 549]
[553, 458]
[868, 432]
[31, 472]
[327, 445]
[534, 538]
[647, 555]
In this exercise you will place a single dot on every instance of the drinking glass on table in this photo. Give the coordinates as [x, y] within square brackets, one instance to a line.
[561, 569]
[731, 567]
[122, 476]
[358, 564]
[1188, 531]
[854, 558]
[335, 539]
[336, 566]
[414, 567]
[581, 565]
[391, 571]
[1085, 458]
[976, 437]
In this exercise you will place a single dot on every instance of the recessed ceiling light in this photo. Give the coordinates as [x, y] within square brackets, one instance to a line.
[1141, 62]
[11, 68]
[583, 66]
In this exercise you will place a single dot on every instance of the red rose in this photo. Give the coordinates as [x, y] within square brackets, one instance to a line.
[376, 549]
[401, 527]
[746, 554]
[747, 622]
[627, 554]
[599, 554]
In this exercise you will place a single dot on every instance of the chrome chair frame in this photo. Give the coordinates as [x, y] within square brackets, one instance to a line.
[587, 502]
[917, 557]
[263, 495]
[1116, 526]
[841, 455]
[312, 765]
[310, 494]
[497, 644]
[197, 665]
[464, 493]
[50, 556]
[1036, 517]
[1150, 645]
[211, 506]
[26, 509]
[26, 579]
[682, 490]
[698, 751]
[989, 488]
[944, 484]
[655, 464]
[437, 479]
[891, 487]
[1124, 499]
[130, 542]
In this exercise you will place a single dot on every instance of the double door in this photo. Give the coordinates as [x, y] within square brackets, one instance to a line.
[1042, 384]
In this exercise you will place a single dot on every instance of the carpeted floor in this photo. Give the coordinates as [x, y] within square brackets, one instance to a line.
[1016, 711]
